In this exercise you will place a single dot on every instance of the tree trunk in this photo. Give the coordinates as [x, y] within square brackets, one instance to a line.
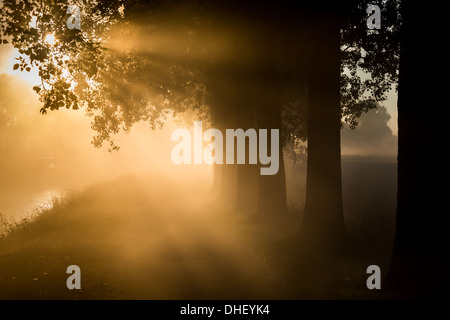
[420, 262]
[247, 174]
[224, 117]
[323, 219]
[272, 188]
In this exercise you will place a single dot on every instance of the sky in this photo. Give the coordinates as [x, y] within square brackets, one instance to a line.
[391, 106]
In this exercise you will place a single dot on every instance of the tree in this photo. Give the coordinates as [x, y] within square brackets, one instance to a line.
[323, 216]
[293, 116]
[256, 34]
[180, 69]
[339, 48]
[184, 66]
[117, 87]
[420, 258]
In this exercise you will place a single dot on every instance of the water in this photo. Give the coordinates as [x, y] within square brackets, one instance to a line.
[23, 205]
[30, 185]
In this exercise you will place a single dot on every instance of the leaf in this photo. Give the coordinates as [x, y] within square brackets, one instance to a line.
[16, 66]
[5, 41]
[28, 69]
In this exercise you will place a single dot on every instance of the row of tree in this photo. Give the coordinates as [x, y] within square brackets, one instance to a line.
[237, 64]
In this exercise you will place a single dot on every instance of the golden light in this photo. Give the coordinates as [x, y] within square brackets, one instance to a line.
[50, 39]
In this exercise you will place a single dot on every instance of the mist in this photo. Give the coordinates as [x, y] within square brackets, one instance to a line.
[44, 156]
[372, 136]
[102, 164]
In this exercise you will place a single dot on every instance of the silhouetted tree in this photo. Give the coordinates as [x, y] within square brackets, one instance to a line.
[340, 46]
[323, 216]
[180, 69]
[420, 259]
[117, 86]
[194, 53]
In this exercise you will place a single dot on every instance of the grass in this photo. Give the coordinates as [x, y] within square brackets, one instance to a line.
[37, 221]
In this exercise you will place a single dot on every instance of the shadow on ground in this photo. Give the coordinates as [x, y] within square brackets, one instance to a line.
[141, 238]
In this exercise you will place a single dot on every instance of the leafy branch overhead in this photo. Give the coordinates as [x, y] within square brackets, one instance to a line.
[66, 58]
[82, 68]
[137, 61]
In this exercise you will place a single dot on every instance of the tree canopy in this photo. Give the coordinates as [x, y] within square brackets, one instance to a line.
[137, 61]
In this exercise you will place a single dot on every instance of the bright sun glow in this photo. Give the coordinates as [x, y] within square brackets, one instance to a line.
[50, 39]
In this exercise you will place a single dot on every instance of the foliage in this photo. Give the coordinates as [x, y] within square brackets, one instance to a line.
[68, 60]
[369, 69]
[129, 82]
[374, 52]
[117, 87]
[294, 130]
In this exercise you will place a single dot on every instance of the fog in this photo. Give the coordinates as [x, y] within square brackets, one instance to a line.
[372, 136]
[44, 156]
[155, 217]
[142, 227]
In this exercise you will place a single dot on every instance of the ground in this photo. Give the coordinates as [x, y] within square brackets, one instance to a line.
[137, 238]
